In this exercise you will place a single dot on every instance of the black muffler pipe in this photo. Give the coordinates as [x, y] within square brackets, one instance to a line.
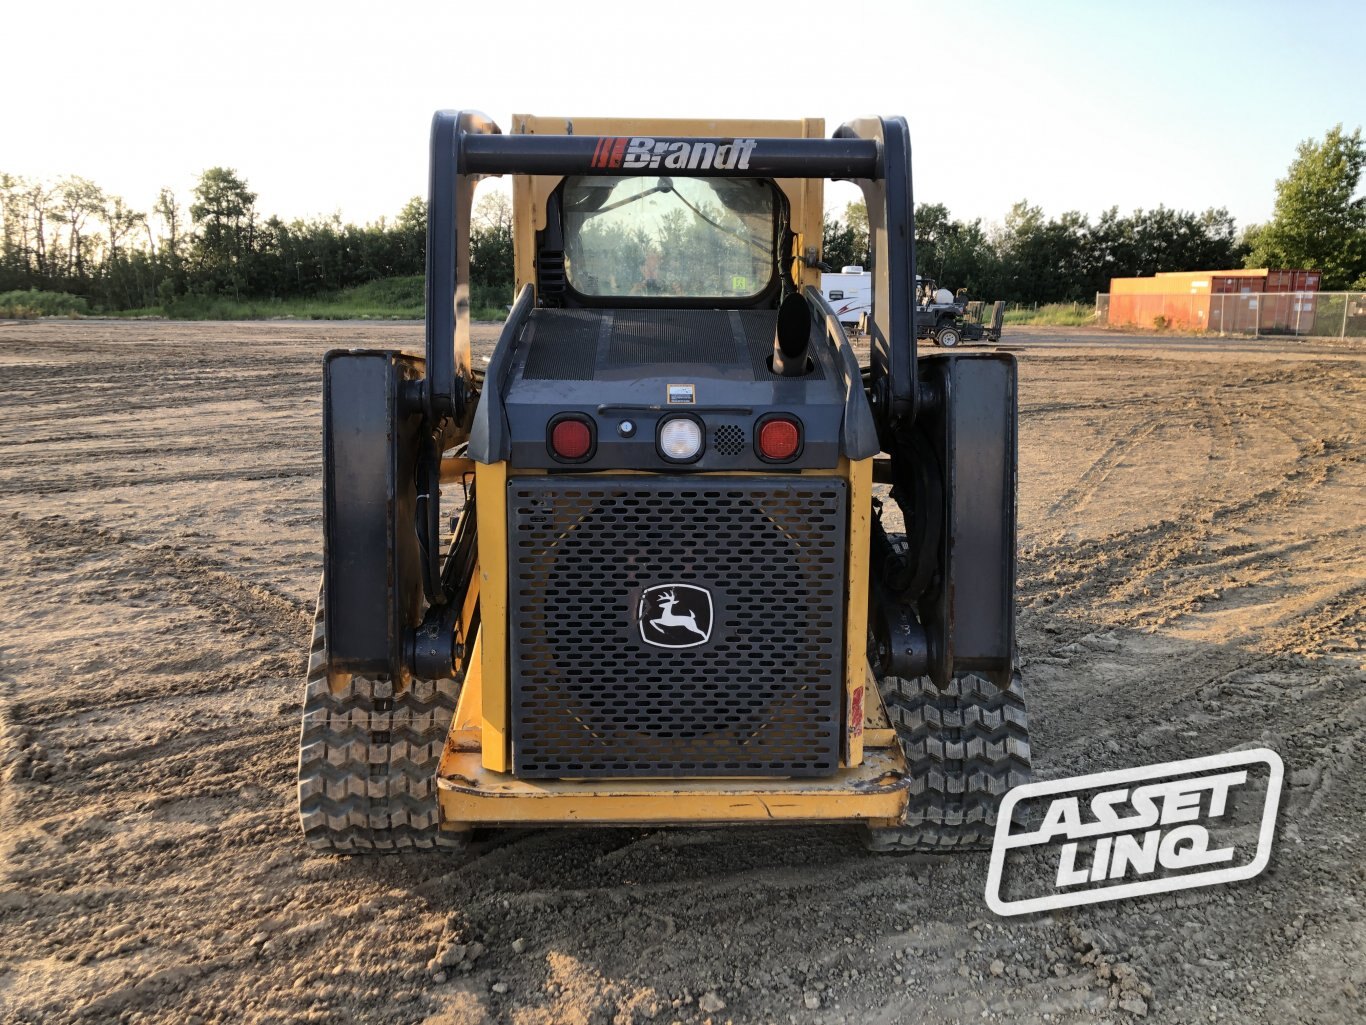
[792, 337]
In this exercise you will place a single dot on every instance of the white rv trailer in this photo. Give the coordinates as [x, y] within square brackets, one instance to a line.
[850, 293]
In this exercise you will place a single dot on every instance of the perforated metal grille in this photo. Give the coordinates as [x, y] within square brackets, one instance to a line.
[564, 345]
[761, 697]
[674, 336]
[728, 440]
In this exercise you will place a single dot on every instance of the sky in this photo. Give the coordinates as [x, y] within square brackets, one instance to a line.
[325, 107]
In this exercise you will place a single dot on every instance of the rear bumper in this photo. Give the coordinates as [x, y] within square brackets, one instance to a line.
[470, 795]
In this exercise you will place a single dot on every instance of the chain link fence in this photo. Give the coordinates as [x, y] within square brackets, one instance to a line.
[1320, 314]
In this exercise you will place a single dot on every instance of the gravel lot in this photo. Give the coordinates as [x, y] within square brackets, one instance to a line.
[1192, 579]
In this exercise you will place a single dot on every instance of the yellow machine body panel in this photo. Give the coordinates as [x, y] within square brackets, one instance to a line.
[470, 795]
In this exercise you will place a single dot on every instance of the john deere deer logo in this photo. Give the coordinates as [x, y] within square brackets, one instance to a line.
[675, 615]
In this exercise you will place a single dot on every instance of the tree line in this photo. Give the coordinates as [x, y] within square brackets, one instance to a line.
[72, 236]
[1318, 223]
[1033, 258]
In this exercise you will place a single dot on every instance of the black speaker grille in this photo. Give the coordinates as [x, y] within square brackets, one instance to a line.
[728, 440]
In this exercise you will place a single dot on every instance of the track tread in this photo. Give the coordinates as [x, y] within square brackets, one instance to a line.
[965, 746]
[368, 760]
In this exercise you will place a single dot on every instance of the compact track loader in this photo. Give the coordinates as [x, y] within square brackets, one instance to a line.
[710, 566]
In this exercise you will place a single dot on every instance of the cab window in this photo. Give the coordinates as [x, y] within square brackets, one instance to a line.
[644, 237]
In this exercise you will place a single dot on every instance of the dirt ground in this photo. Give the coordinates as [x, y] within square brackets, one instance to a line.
[1192, 571]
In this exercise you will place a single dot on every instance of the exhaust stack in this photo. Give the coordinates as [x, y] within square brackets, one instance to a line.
[792, 337]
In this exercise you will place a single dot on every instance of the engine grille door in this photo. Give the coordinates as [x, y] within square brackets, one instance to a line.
[676, 626]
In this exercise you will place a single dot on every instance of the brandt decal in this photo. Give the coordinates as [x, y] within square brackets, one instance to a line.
[641, 153]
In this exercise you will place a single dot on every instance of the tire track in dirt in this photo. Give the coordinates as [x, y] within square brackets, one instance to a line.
[44, 488]
[1074, 499]
[153, 865]
[191, 580]
[1202, 562]
[1122, 568]
[1156, 688]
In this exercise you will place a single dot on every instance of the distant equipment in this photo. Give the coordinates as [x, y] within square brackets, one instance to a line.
[946, 319]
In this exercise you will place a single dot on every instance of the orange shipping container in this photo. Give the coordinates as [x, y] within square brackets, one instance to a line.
[1292, 281]
[1188, 312]
[1236, 283]
[1263, 312]
[1234, 301]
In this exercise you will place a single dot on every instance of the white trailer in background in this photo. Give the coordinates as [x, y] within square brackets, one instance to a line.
[850, 293]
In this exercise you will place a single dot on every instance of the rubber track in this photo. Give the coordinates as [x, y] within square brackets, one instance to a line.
[368, 760]
[965, 746]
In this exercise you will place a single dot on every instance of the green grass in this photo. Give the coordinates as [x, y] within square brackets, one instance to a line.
[384, 299]
[33, 303]
[1055, 315]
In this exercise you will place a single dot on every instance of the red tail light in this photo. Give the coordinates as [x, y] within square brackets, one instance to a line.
[570, 439]
[779, 439]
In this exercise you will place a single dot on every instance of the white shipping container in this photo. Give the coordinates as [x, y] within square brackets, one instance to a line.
[850, 293]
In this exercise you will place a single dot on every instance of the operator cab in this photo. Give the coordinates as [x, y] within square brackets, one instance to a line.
[653, 343]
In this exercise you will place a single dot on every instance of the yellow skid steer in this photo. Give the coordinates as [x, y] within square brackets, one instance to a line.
[712, 563]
